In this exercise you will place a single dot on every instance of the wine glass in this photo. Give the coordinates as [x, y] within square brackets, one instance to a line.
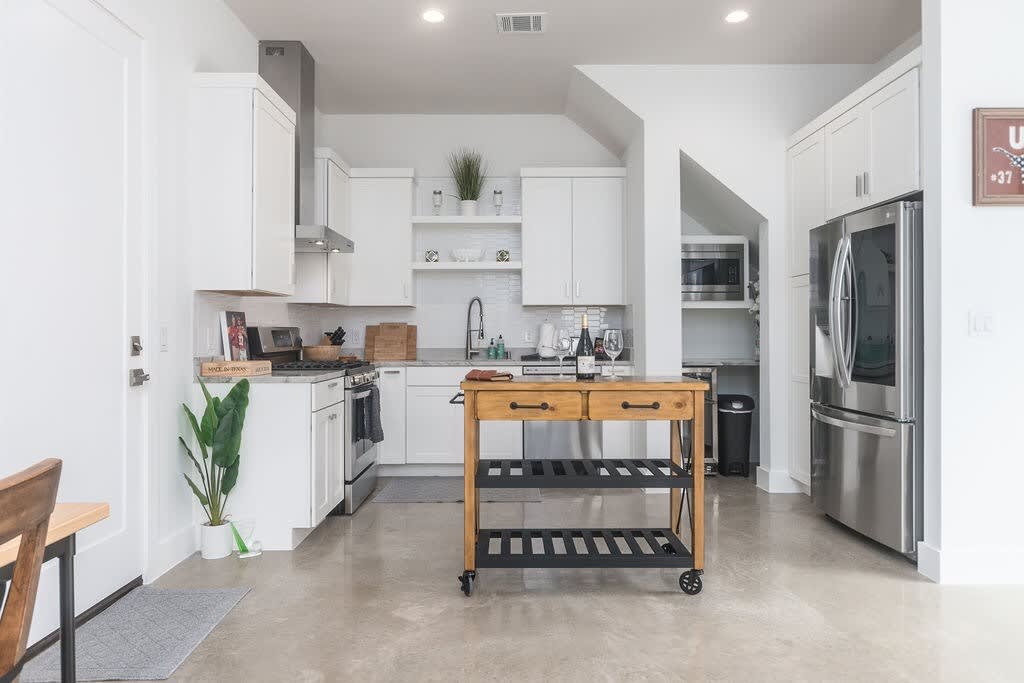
[613, 347]
[563, 347]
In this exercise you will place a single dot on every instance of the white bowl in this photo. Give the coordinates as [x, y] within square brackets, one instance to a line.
[467, 255]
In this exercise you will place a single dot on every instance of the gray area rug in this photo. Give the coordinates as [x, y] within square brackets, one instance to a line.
[144, 636]
[446, 490]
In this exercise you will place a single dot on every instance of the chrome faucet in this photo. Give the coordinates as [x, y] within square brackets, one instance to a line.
[469, 329]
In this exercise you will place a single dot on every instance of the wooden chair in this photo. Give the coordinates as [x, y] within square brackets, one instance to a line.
[26, 502]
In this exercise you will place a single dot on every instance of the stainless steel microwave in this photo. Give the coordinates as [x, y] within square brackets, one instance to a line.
[713, 271]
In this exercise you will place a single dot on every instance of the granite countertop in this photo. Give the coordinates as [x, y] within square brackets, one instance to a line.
[720, 362]
[456, 358]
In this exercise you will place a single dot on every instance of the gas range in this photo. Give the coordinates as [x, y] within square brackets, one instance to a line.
[356, 373]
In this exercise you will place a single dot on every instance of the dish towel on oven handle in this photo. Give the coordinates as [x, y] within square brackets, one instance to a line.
[366, 416]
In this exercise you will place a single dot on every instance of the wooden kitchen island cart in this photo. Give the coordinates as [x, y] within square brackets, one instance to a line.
[631, 398]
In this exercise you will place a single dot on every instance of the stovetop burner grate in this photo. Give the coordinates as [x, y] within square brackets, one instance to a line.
[323, 365]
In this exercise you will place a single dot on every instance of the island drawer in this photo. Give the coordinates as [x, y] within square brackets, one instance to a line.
[640, 405]
[529, 405]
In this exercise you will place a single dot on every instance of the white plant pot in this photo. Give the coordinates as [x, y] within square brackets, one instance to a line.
[217, 541]
[468, 207]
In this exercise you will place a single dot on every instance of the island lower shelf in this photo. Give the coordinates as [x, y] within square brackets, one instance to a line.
[581, 548]
[577, 473]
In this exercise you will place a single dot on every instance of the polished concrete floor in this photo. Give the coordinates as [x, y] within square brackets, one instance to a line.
[788, 596]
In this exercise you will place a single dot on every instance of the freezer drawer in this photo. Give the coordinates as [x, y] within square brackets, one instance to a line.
[863, 475]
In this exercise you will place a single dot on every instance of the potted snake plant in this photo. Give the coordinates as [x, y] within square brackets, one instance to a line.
[219, 435]
[468, 169]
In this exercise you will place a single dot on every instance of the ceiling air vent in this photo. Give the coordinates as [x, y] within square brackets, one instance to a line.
[533, 22]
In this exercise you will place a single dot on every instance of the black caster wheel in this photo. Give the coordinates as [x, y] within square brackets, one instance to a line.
[467, 580]
[690, 582]
[667, 547]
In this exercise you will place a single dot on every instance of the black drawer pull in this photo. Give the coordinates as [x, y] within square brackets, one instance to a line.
[626, 405]
[516, 406]
[455, 399]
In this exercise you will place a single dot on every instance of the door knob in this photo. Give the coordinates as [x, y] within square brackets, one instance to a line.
[137, 377]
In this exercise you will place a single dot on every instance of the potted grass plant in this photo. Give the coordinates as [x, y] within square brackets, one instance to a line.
[468, 169]
[219, 435]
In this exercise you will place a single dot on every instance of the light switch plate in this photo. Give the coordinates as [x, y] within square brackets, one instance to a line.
[164, 339]
[981, 323]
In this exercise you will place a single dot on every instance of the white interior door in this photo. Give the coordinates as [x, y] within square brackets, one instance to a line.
[72, 274]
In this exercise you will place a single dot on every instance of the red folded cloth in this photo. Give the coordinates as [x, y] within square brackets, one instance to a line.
[488, 376]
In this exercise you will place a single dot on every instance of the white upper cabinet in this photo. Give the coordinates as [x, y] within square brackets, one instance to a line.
[573, 249]
[242, 185]
[381, 271]
[894, 155]
[597, 241]
[323, 278]
[806, 171]
[547, 241]
[873, 150]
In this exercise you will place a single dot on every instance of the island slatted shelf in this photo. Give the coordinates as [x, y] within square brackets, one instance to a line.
[647, 399]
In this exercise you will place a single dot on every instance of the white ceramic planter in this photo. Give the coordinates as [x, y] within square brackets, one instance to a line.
[468, 207]
[217, 541]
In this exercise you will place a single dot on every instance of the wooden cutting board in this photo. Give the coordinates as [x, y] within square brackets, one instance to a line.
[390, 341]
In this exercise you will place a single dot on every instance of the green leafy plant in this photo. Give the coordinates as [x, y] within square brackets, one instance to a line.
[468, 169]
[219, 434]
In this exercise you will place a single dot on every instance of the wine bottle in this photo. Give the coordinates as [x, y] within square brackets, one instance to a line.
[585, 362]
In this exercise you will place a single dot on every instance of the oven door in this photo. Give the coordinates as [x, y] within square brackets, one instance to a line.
[360, 452]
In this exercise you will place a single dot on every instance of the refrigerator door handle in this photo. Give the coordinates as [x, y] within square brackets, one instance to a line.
[835, 302]
[852, 315]
[853, 426]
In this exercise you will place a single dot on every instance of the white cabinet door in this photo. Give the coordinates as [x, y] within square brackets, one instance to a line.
[846, 152]
[381, 271]
[893, 133]
[321, 453]
[434, 427]
[339, 219]
[273, 187]
[597, 242]
[547, 241]
[806, 164]
[335, 456]
[799, 385]
[392, 416]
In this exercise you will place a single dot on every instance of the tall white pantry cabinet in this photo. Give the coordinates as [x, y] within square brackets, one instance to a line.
[241, 185]
[863, 152]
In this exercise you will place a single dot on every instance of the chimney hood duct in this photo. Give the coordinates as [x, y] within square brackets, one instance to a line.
[289, 69]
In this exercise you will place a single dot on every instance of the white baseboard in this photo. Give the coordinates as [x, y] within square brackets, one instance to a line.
[419, 471]
[778, 481]
[972, 566]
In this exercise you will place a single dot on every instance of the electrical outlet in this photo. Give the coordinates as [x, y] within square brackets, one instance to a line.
[210, 341]
[528, 336]
[981, 323]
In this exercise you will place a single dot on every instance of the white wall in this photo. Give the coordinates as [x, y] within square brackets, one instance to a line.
[733, 121]
[973, 453]
[507, 142]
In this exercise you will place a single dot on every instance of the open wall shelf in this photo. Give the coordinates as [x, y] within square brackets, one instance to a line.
[468, 221]
[467, 266]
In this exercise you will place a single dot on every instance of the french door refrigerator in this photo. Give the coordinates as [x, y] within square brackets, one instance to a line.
[866, 370]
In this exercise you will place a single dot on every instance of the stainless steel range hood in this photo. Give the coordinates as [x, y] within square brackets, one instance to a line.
[290, 70]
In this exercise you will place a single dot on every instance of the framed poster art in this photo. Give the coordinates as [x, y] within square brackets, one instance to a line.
[999, 156]
[236, 337]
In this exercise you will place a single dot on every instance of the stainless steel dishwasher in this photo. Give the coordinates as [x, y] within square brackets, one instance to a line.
[557, 439]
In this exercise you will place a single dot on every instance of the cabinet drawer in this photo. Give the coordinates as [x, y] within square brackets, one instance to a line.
[640, 405]
[529, 405]
[328, 393]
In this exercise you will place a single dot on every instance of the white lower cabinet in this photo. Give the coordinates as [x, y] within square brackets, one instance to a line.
[392, 416]
[434, 427]
[292, 469]
[799, 383]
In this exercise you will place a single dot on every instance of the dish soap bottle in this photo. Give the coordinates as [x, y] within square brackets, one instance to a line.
[501, 348]
[492, 350]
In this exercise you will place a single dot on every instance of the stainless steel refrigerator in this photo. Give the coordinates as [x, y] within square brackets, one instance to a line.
[866, 370]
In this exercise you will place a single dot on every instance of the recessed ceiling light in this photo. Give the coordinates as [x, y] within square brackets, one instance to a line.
[433, 16]
[737, 16]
